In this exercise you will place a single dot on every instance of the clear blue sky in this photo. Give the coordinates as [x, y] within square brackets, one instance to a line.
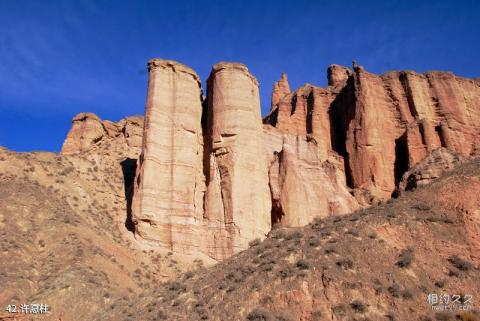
[59, 58]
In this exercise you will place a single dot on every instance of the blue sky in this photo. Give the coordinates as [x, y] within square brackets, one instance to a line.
[59, 58]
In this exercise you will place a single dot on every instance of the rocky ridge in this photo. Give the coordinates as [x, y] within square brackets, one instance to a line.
[211, 177]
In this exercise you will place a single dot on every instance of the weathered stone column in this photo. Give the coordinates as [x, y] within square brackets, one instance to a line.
[238, 201]
[169, 184]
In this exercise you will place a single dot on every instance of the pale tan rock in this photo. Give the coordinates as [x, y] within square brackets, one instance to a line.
[87, 129]
[281, 88]
[237, 203]
[169, 183]
[303, 185]
[133, 131]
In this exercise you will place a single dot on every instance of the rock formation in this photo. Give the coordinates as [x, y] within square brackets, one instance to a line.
[431, 167]
[383, 125]
[169, 184]
[280, 89]
[211, 177]
[89, 130]
[238, 197]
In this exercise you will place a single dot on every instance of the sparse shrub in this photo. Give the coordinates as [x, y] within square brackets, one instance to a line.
[353, 232]
[372, 235]
[317, 223]
[339, 310]
[286, 271]
[440, 284]
[317, 315]
[283, 317]
[421, 207]
[259, 314]
[176, 286]
[254, 242]
[345, 264]
[460, 263]
[467, 316]
[279, 233]
[330, 249]
[407, 295]
[314, 242]
[377, 286]
[293, 235]
[188, 275]
[443, 316]
[454, 273]
[405, 258]
[358, 306]
[394, 290]
[302, 264]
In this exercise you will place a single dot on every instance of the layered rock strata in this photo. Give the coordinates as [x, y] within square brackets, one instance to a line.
[169, 183]
[211, 177]
[383, 125]
[238, 196]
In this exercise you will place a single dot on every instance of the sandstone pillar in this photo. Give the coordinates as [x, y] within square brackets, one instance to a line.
[169, 184]
[281, 88]
[238, 201]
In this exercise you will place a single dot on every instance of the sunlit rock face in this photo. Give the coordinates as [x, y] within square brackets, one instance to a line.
[88, 131]
[238, 195]
[169, 184]
[211, 177]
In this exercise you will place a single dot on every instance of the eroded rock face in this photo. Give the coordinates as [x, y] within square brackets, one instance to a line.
[211, 177]
[383, 125]
[169, 184]
[431, 167]
[303, 184]
[88, 130]
[281, 88]
[238, 196]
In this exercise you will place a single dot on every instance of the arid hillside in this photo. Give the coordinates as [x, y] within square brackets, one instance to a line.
[64, 234]
[64, 243]
[376, 264]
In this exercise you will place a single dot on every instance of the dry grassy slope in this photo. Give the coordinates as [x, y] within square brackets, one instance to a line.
[63, 239]
[376, 264]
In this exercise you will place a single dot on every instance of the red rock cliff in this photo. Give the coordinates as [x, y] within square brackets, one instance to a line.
[211, 177]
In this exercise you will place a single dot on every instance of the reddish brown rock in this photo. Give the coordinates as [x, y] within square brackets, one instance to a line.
[431, 167]
[211, 178]
[383, 125]
[338, 75]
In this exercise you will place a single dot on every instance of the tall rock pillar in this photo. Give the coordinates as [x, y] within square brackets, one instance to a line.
[238, 201]
[169, 184]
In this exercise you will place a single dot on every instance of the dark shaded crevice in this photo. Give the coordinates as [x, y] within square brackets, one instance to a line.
[401, 158]
[422, 133]
[341, 113]
[129, 167]
[276, 214]
[439, 131]
[272, 117]
[294, 104]
[408, 94]
[310, 104]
